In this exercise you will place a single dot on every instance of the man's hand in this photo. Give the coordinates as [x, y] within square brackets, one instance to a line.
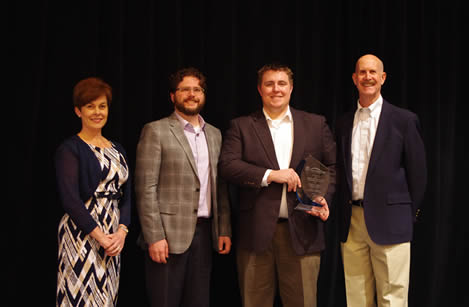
[224, 245]
[159, 251]
[321, 212]
[288, 176]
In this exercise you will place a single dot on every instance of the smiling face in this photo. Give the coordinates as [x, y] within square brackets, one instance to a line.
[189, 97]
[93, 114]
[368, 78]
[275, 90]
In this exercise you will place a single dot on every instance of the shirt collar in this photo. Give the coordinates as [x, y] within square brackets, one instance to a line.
[188, 126]
[375, 107]
[287, 116]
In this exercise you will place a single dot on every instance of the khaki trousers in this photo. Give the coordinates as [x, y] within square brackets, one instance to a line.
[260, 273]
[370, 267]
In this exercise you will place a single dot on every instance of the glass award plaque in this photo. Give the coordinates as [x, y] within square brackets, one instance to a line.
[314, 178]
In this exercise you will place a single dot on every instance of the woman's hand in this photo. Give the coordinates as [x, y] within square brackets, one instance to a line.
[112, 243]
[117, 242]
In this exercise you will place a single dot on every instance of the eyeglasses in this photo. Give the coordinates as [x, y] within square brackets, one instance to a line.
[196, 90]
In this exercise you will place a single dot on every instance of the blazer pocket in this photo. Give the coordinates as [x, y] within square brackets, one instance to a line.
[169, 209]
[399, 199]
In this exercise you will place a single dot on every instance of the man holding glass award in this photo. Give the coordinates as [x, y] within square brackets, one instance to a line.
[283, 162]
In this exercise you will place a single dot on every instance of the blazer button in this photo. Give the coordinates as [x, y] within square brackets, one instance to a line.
[197, 189]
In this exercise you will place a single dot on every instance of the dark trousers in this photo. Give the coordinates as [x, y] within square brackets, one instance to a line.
[185, 279]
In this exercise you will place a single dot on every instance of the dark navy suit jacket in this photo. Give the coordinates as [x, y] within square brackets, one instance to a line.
[396, 177]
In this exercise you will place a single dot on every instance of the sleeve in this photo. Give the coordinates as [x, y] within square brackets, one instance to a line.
[147, 175]
[224, 213]
[67, 175]
[329, 159]
[223, 205]
[415, 162]
[233, 166]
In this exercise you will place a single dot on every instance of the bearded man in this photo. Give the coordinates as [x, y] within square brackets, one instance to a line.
[182, 205]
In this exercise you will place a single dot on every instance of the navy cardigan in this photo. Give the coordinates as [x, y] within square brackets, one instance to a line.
[78, 175]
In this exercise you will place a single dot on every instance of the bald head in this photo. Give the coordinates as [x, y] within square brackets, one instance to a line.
[370, 58]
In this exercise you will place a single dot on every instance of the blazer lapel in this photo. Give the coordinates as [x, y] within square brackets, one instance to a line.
[176, 129]
[380, 137]
[210, 137]
[298, 139]
[213, 159]
[265, 138]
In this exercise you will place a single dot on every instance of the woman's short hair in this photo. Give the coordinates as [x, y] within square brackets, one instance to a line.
[90, 89]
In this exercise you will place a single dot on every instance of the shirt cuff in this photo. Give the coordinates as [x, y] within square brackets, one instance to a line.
[264, 182]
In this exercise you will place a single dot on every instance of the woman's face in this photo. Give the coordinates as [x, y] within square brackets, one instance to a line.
[94, 114]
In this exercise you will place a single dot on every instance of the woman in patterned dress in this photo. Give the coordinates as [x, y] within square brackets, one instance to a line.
[92, 180]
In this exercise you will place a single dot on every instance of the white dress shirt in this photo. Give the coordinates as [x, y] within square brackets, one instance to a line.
[361, 149]
[281, 130]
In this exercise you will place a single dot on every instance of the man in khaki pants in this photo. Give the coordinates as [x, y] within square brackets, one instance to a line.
[276, 243]
[381, 162]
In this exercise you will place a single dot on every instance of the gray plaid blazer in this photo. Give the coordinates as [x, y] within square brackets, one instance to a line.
[167, 186]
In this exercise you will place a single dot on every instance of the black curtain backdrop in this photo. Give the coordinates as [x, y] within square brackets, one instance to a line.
[135, 45]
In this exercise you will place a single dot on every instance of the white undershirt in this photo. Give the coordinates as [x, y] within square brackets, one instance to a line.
[361, 154]
[281, 130]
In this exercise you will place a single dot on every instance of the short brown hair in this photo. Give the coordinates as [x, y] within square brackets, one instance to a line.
[90, 89]
[178, 76]
[274, 67]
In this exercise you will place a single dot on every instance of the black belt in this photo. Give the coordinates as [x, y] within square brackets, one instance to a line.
[203, 220]
[357, 202]
[281, 220]
[109, 195]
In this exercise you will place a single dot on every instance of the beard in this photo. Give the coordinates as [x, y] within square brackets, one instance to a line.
[180, 106]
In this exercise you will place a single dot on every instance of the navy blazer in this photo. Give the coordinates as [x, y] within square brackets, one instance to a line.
[78, 175]
[396, 177]
[247, 152]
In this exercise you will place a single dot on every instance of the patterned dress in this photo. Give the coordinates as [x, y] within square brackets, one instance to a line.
[86, 275]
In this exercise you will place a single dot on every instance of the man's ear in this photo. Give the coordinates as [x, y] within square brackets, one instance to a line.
[354, 78]
[383, 78]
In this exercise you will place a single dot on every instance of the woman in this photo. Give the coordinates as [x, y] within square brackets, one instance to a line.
[92, 178]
